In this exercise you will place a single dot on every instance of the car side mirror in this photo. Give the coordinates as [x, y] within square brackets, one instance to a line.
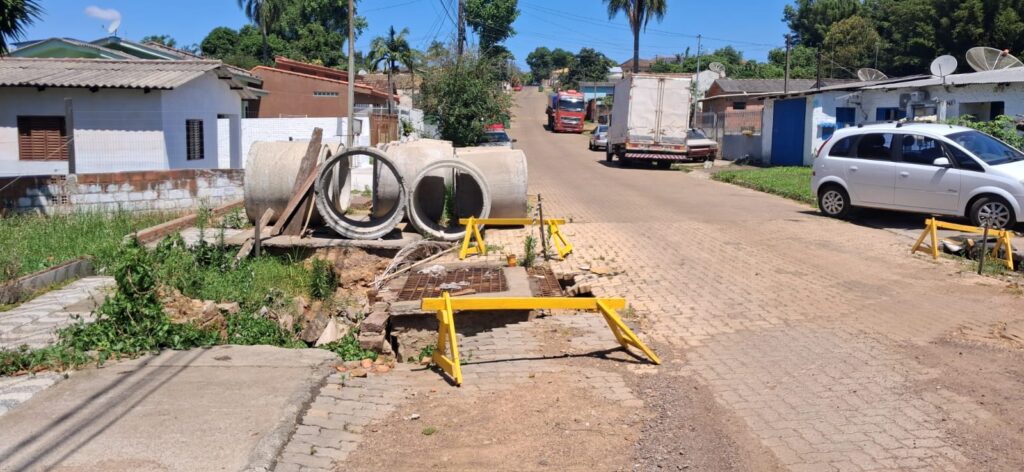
[942, 162]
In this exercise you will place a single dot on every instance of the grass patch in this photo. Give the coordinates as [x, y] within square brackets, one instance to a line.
[32, 243]
[790, 182]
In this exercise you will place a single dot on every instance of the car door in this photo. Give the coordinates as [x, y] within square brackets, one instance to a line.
[920, 185]
[870, 171]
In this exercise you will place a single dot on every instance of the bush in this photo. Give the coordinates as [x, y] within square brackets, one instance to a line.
[462, 96]
[324, 280]
[1003, 128]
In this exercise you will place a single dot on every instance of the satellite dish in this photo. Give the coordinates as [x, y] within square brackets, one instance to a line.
[705, 79]
[943, 66]
[982, 59]
[870, 75]
[717, 67]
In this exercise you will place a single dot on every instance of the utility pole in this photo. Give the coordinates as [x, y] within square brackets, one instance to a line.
[699, 37]
[462, 28]
[818, 57]
[789, 45]
[351, 76]
[878, 45]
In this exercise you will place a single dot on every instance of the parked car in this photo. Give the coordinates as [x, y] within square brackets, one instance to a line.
[599, 138]
[925, 168]
[699, 147]
[517, 88]
[496, 138]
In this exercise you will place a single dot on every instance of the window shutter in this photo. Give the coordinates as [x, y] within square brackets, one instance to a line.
[194, 140]
[42, 138]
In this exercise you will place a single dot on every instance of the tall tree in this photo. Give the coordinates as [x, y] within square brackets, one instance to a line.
[540, 63]
[15, 16]
[587, 66]
[492, 21]
[811, 19]
[262, 13]
[462, 96]
[391, 51]
[639, 13]
[851, 44]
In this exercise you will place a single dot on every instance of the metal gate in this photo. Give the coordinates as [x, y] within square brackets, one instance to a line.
[788, 122]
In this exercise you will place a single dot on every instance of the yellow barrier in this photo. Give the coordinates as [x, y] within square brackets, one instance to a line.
[1003, 239]
[447, 306]
[473, 234]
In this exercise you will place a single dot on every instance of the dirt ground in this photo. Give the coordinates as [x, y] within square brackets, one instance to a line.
[552, 426]
[985, 364]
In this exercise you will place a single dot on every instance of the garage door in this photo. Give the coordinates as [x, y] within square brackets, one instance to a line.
[788, 132]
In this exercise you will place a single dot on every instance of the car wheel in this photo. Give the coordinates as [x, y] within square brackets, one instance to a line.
[834, 202]
[994, 209]
[590, 146]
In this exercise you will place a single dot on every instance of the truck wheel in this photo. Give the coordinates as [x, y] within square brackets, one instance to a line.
[608, 154]
[664, 164]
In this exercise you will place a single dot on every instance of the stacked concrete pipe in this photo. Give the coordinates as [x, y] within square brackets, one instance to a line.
[505, 172]
[410, 157]
[335, 216]
[471, 197]
[271, 170]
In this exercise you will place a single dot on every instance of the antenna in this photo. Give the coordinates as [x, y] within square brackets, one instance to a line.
[983, 59]
[718, 68]
[943, 66]
[705, 79]
[868, 74]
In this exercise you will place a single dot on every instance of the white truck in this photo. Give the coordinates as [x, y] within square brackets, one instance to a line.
[650, 120]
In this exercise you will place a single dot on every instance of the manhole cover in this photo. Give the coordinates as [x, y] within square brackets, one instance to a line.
[479, 279]
[543, 281]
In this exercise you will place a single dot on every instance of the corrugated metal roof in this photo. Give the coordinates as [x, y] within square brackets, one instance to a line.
[23, 72]
[987, 77]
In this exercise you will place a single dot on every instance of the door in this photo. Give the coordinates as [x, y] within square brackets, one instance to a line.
[920, 185]
[788, 123]
[871, 172]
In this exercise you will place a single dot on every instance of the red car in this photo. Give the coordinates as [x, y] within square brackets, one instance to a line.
[517, 88]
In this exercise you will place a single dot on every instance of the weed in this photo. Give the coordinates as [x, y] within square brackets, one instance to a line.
[427, 351]
[347, 348]
[494, 247]
[529, 252]
[323, 280]
[235, 220]
[250, 330]
[429, 430]
[789, 182]
[448, 208]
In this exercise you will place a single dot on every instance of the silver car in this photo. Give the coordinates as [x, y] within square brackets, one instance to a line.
[599, 138]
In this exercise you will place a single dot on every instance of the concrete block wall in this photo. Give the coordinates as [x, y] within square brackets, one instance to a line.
[170, 191]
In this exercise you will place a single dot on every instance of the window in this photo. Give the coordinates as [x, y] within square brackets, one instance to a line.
[875, 146]
[890, 114]
[920, 150]
[845, 116]
[739, 105]
[963, 160]
[319, 93]
[194, 140]
[843, 147]
[991, 150]
[42, 138]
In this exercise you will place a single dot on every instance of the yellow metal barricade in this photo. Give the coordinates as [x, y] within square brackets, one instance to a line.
[1004, 239]
[473, 242]
[446, 353]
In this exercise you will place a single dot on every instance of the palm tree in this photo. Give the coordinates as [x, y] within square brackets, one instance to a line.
[639, 13]
[392, 51]
[15, 16]
[262, 13]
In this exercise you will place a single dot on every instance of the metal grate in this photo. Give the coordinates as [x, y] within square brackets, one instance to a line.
[547, 286]
[479, 279]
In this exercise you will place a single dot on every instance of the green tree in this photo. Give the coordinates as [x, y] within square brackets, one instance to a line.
[262, 13]
[15, 16]
[540, 63]
[908, 29]
[162, 39]
[803, 62]
[391, 51]
[810, 20]
[587, 66]
[639, 13]
[851, 44]
[560, 58]
[463, 96]
[492, 20]
[220, 43]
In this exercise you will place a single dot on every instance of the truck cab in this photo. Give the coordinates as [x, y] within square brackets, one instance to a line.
[566, 112]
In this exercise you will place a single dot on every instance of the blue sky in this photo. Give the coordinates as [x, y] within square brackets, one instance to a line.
[752, 26]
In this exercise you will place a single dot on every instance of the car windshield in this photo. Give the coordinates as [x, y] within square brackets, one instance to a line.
[496, 137]
[696, 134]
[570, 104]
[987, 148]
[601, 129]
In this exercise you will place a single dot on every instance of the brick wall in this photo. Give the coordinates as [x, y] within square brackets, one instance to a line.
[173, 190]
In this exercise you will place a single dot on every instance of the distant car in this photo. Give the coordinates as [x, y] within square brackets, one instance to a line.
[599, 138]
[495, 138]
[518, 88]
[925, 168]
[699, 147]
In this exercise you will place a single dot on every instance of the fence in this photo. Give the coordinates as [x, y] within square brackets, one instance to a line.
[738, 132]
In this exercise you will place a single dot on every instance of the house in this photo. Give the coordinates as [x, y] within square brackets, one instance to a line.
[645, 65]
[406, 85]
[116, 115]
[116, 48]
[298, 89]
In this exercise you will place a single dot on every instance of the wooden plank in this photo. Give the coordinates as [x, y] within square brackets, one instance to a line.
[258, 237]
[290, 210]
[308, 167]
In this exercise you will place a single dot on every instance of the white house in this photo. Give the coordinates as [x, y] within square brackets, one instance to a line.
[125, 115]
[797, 124]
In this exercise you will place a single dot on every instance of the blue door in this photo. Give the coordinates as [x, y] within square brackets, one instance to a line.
[788, 137]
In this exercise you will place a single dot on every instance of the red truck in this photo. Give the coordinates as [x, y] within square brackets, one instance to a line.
[566, 112]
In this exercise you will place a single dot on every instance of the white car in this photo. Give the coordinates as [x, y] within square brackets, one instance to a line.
[925, 168]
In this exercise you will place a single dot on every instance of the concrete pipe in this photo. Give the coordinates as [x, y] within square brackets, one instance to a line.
[271, 170]
[335, 217]
[505, 171]
[470, 197]
[410, 158]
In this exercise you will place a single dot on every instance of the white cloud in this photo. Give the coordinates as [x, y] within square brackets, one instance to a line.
[107, 14]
